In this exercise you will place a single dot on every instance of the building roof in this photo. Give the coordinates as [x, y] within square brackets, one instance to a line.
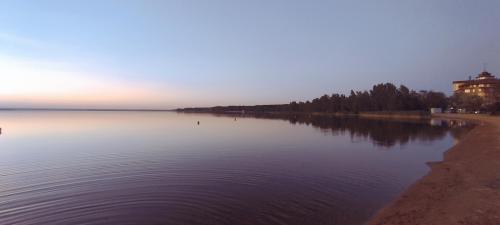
[485, 74]
[484, 81]
[483, 78]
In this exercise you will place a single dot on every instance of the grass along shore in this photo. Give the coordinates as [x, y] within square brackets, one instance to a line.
[462, 189]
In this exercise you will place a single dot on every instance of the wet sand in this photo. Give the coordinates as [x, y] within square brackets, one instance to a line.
[463, 189]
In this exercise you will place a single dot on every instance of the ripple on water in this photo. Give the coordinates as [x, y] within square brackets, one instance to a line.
[120, 190]
[260, 172]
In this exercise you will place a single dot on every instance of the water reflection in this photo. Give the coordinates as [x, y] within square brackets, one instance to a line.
[382, 132]
[164, 168]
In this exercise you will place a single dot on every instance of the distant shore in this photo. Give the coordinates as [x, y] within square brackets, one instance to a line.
[372, 114]
[463, 189]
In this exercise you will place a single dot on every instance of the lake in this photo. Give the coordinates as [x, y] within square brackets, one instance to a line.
[89, 167]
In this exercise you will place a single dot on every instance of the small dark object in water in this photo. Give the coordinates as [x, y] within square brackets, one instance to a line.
[198, 122]
[234, 119]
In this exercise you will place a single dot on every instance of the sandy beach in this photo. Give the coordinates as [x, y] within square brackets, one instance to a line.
[463, 189]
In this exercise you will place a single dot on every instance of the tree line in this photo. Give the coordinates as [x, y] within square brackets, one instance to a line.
[382, 97]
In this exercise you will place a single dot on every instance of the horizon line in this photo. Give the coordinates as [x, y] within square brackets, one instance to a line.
[80, 109]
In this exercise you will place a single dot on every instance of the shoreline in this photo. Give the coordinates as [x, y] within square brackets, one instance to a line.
[413, 115]
[462, 189]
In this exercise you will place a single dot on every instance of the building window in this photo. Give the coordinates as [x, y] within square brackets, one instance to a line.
[467, 90]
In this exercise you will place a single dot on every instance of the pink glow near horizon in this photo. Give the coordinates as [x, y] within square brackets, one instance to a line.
[53, 84]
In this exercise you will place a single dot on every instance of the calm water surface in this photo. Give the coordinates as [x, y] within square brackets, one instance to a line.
[163, 168]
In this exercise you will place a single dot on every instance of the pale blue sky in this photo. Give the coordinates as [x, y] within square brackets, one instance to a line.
[167, 54]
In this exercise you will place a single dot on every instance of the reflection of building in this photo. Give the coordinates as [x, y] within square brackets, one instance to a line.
[484, 85]
[436, 122]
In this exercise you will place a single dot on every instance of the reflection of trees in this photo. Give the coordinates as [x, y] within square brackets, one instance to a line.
[385, 133]
[382, 132]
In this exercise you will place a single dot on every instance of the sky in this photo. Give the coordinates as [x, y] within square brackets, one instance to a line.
[182, 53]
